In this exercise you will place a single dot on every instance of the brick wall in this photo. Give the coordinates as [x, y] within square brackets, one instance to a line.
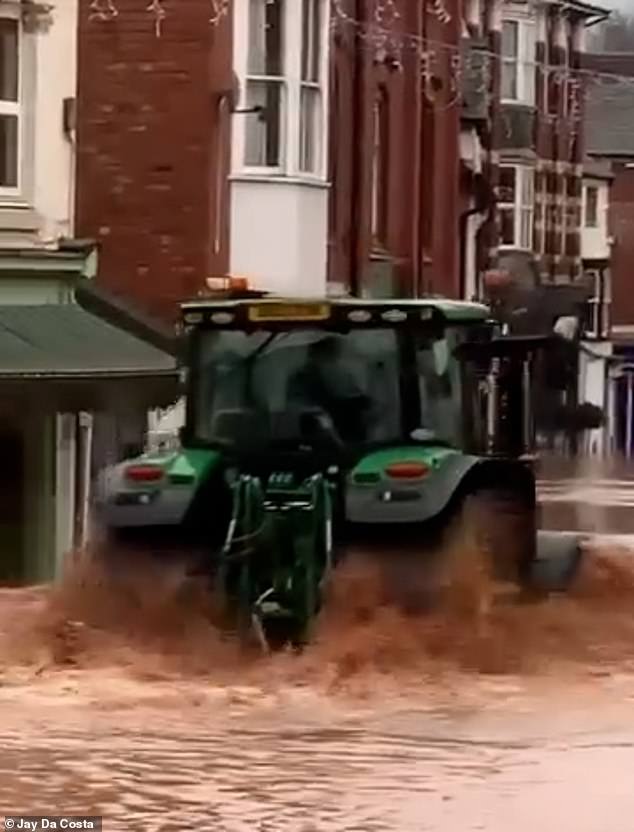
[420, 172]
[153, 122]
[621, 221]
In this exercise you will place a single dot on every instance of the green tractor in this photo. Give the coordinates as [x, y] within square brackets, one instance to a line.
[317, 427]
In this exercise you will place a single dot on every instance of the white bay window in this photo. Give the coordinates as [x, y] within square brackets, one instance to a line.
[516, 206]
[281, 63]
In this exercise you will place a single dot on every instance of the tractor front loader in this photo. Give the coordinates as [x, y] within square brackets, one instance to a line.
[317, 427]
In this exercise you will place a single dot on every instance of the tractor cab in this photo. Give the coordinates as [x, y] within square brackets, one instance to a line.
[332, 379]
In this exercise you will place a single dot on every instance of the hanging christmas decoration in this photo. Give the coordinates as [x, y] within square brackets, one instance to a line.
[382, 33]
[426, 62]
[438, 9]
[103, 10]
[219, 11]
[156, 8]
[388, 44]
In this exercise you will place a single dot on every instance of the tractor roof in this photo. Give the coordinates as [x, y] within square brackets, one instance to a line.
[214, 310]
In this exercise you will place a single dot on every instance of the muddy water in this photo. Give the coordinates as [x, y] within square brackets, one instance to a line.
[304, 765]
[119, 697]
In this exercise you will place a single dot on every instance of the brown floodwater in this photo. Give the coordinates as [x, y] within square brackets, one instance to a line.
[119, 696]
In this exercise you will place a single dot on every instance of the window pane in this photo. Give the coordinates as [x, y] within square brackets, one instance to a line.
[527, 57]
[507, 219]
[526, 228]
[266, 37]
[310, 130]
[263, 130]
[592, 207]
[311, 39]
[507, 185]
[510, 37]
[8, 59]
[528, 195]
[8, 151]
[249, 381]
[509, 80]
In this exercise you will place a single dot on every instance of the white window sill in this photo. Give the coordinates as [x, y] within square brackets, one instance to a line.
[507, 247]
[13, 200]
[516, 102]
[280, 179]
[16, 216]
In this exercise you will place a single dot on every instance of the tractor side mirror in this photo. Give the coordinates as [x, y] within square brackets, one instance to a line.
[575, 419]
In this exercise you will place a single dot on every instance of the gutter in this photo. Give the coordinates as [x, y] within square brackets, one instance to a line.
[417, 254]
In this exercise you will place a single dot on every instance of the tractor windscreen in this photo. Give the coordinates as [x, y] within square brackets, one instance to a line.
[281, 389]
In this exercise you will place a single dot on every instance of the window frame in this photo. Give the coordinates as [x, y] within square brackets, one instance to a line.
[524, 61]
[11, 194]
[294, 147]
[599, 304]
[522, 207]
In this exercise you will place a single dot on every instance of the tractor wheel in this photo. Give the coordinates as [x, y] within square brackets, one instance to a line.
[494, 538]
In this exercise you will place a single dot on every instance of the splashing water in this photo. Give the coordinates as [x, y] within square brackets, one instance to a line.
[124, 696]
[151, 620]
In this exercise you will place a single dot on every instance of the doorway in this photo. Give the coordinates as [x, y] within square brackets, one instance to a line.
[12, 489]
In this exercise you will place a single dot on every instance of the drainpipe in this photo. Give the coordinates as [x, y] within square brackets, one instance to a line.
[418, 159]
[357, 137]
[481, 207]
[463, 227]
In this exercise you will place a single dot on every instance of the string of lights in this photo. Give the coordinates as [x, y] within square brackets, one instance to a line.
[384, 36]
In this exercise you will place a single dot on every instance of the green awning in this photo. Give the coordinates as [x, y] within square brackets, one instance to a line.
[67, 342]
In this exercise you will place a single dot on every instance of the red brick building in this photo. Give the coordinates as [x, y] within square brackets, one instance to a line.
[153, 122]
[611, 139]
[263, 140]
[159, 117]
[534, 139]
[394, 154]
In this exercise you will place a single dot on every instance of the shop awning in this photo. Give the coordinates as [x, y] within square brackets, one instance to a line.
[66, 342]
